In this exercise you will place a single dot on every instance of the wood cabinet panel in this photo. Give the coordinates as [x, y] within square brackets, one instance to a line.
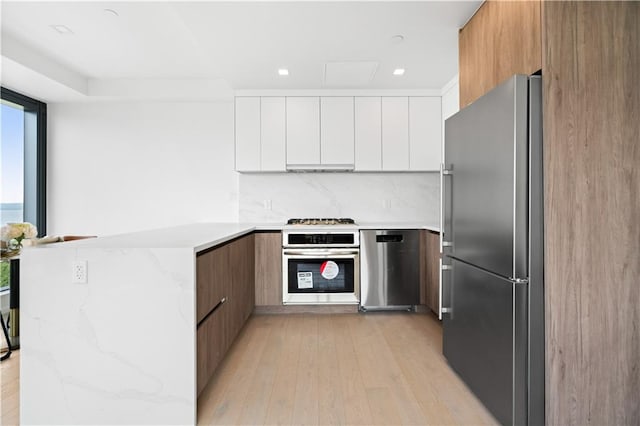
[424, 279]
[268, 272]
[502, 39]
[212, 272]
[228, 271]
[433, 271]
[212, 344]
[430, 270]
[592, 232]
[241, 299]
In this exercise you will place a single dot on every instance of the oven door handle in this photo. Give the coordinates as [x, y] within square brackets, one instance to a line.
[315, 253]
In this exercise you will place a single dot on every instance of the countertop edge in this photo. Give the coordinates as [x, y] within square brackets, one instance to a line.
[203, 236]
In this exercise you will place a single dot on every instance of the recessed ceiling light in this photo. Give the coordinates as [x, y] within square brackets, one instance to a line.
[283, 71]
[111, 12]
[62, 29]
[398, 71]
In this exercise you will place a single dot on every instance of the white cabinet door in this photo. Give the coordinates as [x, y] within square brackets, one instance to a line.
[425, 133]
[303, 130]
[395, 133]
[273, 130]
[247, 124]
[336, 130]
[368, 133]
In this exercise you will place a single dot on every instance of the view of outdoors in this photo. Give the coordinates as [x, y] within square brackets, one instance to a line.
[11, 163]
[11, 171]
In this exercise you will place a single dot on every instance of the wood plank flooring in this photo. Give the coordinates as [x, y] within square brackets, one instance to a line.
[10, 390]
[324, 369]
[368, 369]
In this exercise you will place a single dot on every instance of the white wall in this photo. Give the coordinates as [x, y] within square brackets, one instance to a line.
[117, 167]
[450, 104]
[366, 197]
[451, 99]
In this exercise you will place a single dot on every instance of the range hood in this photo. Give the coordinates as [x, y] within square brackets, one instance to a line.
[306, 168]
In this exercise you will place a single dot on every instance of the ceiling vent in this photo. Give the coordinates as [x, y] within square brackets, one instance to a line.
[349, 74]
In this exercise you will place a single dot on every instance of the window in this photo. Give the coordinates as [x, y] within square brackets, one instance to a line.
[23, 159]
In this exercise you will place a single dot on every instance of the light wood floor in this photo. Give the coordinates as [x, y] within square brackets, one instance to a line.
[367, 369]
[380, 368]
[10, 390]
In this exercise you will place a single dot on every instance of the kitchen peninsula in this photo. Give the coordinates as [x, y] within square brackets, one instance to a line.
[122, 348]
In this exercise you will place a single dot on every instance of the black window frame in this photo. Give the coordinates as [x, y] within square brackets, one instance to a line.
[37, 214]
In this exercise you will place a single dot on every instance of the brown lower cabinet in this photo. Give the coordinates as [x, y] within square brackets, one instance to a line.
[212, 344]
[225, 298]
[268, 268]
[430, 270]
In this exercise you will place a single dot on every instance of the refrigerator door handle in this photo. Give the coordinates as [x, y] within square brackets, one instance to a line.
[444, 300]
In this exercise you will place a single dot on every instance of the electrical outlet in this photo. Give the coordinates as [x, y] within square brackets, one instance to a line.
[386, 204]
[79, 272]
[266, 204]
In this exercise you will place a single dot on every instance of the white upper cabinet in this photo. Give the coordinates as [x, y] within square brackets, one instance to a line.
[303, 130]
[425, 133]
[395, 133]
[368, 133]
[363, 133]
[273, 134]
[260, 134]
[336, 131]
[247, 125]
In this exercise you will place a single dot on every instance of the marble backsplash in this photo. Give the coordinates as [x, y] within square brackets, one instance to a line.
[366, 197]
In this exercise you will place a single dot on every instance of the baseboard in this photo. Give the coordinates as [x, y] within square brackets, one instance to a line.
[306, 309]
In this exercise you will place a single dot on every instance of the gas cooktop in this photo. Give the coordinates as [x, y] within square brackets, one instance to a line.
[321, 221]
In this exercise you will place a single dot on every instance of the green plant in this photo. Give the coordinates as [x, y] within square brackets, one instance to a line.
[4, 274]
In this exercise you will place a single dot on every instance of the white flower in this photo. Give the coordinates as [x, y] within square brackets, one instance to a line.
[18, 231]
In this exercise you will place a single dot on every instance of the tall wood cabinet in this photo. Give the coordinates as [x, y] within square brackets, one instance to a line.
[503, 38]
[225, 298]
[589, 53]
[591, 105]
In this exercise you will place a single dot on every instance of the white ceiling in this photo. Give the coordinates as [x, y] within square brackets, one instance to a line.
[237, 44]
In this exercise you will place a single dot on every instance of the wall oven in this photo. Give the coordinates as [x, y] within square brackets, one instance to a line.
[320, 265]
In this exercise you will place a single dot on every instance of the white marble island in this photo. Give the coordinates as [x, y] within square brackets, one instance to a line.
[120, 349]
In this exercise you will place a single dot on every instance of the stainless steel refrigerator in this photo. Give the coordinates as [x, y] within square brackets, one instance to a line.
[492, 264]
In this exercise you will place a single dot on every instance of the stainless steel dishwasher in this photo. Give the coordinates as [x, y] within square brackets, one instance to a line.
[389, 269]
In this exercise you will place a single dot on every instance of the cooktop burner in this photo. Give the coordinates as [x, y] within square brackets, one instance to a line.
[321, 221]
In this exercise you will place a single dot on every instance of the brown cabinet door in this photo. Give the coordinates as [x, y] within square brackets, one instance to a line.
[433, 271]
[424, 272]
[430, 270]
[212, 344]
[241, 286]
[225, 278]
[212, 272]
[268, 274]
[502, 39]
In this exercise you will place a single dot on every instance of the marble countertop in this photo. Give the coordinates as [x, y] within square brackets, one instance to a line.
[201, 236]
[398, 225]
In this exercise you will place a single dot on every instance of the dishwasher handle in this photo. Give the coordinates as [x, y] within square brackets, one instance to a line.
[391, 238]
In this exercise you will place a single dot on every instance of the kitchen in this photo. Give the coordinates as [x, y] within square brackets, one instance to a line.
[130, 201]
